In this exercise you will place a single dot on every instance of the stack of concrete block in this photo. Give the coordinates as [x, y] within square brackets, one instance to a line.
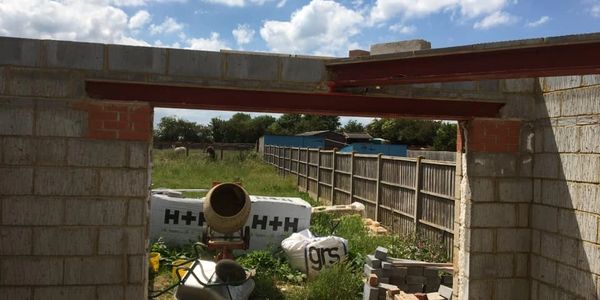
[387, 277]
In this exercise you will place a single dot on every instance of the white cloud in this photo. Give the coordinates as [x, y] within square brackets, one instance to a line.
[321, 27]
[241, 3]
[169, 25]
[139, 20]
[595, 9]
[281, 3]
[495, 19]
[90, 21]
[243, 34]
[541, 21]
[384, 10]
[212, 43]
[400, 28]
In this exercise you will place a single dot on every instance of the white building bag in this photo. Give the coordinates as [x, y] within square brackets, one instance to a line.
[309, 254]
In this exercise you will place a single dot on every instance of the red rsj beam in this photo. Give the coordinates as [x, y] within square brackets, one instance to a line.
[289, 102]
[539, 61]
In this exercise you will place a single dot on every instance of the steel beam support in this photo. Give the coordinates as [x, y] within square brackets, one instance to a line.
[439, 66]
[341, 104]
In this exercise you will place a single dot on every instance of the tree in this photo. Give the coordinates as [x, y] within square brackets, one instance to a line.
[353, 126]
[173, 129]
[291, 124]
[408, 132]
[445, 138]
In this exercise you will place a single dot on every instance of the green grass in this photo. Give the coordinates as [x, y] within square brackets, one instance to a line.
[275, 278]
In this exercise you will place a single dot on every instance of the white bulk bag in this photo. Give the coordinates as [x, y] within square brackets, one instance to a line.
[309, 254]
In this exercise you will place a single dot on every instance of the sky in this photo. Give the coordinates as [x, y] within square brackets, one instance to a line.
[310, 27]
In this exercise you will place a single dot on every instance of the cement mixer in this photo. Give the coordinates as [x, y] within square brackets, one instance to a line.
[226, 210]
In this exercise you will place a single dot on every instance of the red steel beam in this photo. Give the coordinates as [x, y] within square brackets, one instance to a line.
[289, 102]
[536, 61]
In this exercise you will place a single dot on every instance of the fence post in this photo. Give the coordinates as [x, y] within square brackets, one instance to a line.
[333, 175]
[351, 177]
[298, 167]
[306, 160]
[318, 173]
[377, 186]
[418, 183]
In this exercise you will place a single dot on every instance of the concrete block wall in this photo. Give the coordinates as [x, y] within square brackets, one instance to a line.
[74, 179]
[492, 232]
[565, 246]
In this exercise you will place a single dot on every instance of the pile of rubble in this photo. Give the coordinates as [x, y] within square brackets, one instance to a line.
[374, 227]
[400, 279]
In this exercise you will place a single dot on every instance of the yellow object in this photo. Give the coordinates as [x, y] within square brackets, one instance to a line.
[154, 261]
[180, 263]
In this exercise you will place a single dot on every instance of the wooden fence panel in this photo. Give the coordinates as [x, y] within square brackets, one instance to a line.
[407, 195]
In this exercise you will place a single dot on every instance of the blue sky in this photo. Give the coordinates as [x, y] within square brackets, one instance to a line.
[315, 27]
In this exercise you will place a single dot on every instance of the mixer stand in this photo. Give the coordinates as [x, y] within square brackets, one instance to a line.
[226, 243]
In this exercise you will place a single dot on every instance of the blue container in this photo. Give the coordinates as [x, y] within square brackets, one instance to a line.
[365, 148]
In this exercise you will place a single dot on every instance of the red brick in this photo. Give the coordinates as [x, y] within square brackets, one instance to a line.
[117, 108]
[95, 124]
[142, 109]
[103, 115]
[459, 140]
[142, 126]
[116, 125]
[134, 135]
[103, 134]
[139, 116]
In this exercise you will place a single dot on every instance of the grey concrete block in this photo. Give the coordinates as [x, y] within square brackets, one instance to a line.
[65, 292]
[41, 82]
[484, 266]
[550, 84]
[10, 293]
[303, 69]
[414, 271]
[18, 151]
[518, 106]
[482, 190]
[124, 183]
[137, 266]
[580, 167]
[137, 59]
[401, 46]
[544, 217]
[16, 117]
[461, 85]
[50, 151]
[590, 139]
[415, 288]
[384, 279]
[137, 211]
[588, 80]
[580, 225]
[381, 253]
[49, 271]
[521, 85]
[550, 106]
[254, 67]
[64, 241]
[370, 292]
[515, 190]
[97, 153]
[546, 165]
[489, 85]
[56, 118]
[19, 52]
[99, 211]
[122, 241]
[15, 240]
[78, 270]
[135, 291]
[73, 55]
[493, 215]
[32, 211]
[581, 101]
[372, 261]
[386, 265]
[138, 155]
[492, 165]
[16, 180]
[202, 64]
[368, 270]
[415, 279]
[110, 292]
[66, 182]
[513, 240]
[561, 139]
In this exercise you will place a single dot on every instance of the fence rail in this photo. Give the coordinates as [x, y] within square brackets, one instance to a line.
[407, 195]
